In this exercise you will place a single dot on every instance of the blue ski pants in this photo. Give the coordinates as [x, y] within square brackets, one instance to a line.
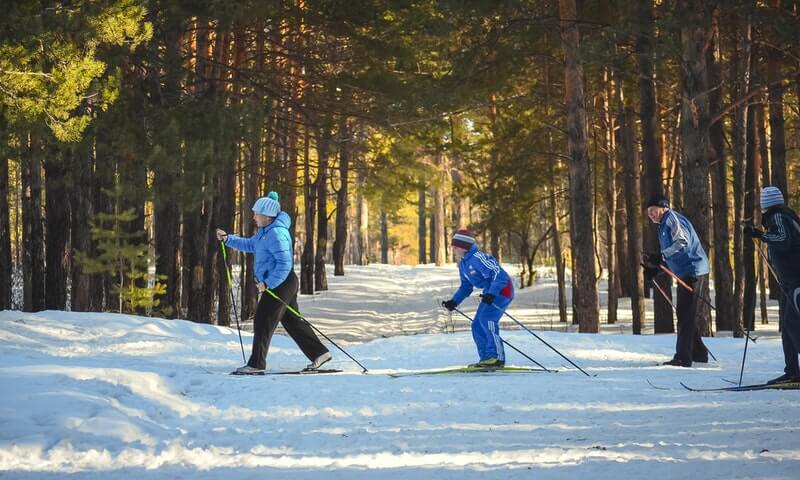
[486, 329]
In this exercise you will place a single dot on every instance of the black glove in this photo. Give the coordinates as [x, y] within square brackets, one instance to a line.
[753, 232]
[487, 298]
[450, 305]
[649, 271]
[651, 260]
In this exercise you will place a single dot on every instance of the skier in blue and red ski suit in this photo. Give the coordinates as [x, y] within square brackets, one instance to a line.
[483, 271]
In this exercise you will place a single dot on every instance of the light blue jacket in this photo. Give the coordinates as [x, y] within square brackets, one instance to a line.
[681, 246]
[272, 246]
[478, 269]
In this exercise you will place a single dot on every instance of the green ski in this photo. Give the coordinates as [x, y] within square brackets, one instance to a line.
[469, 370]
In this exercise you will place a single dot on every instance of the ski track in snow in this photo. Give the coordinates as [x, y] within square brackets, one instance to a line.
[99, 396]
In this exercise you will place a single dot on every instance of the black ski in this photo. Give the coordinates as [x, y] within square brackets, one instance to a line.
[747, 388]
[289, 372]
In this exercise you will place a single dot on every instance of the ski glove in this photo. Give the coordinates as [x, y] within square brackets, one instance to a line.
[753, 232]
[651, 260]
[487, 298]
[450, 305]
[650, 271]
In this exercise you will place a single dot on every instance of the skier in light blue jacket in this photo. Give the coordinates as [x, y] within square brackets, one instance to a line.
[477, 269]
[274, 269]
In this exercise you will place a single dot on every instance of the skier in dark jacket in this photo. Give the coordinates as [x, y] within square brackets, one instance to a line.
[684, 255]
[477, 269]
[782, 237]
[273, 269]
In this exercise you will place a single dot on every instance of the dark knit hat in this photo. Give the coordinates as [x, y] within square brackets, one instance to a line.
[658, 200]
[463, 238]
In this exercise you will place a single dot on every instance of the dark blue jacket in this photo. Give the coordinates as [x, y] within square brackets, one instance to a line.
[680, 246]
[783, 241]
[272, 246]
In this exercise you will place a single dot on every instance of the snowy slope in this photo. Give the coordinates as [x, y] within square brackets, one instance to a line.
[116, 396]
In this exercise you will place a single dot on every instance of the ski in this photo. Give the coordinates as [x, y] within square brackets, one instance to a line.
[469, 370]
[656, 386]
[747, 388]
[288, 372]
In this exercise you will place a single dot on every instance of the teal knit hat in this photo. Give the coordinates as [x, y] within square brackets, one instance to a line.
[268, 205]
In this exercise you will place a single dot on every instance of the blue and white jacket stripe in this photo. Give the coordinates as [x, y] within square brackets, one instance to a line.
[681, 246]
[480, 270]
[272, 246]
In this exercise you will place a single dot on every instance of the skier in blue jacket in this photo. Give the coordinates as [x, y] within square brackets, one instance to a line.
[480, 270]
[685, 257]
[274, 269]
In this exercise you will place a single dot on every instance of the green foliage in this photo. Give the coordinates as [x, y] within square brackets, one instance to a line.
[51, 68]
[122, 255]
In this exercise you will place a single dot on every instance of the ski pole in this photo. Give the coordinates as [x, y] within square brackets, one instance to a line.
[777, 280]
[233, 301]
[297, 314]
[664, 294]
[509, 344]
[540, 339]
[686, 285]
[691, 290]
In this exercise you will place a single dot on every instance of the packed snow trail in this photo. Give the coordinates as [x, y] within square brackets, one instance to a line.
[115, 396]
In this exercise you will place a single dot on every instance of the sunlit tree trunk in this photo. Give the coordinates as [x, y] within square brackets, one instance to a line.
[585, 302]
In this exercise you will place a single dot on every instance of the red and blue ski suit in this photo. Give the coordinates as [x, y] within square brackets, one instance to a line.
[483, 271]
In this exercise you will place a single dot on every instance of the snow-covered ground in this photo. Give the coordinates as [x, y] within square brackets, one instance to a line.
[115, 396]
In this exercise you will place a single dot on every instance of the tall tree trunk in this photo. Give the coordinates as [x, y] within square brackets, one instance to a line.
[777, 137]
[6, 267]
[81, 206]
[309, 207]
[611, 203]
[438, 233]
[166, 228]
[741, 115]
[723, 274]
[58, 231]
[630, 165]
[695, 121]
[340, 243]
[362, 214]
[585, 302]
[33, 233]
[494, 163]
[384, 238]
[651, 155]
[559, 255]
[166, 214]
[323, 151]
[421, 225]
[752, 172]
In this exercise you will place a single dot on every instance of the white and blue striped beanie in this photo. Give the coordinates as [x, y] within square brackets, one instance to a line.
[268, 205]
[463, 238]
[771, 196]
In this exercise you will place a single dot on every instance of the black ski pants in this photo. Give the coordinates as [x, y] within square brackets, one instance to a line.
[269, 312]
[689, 346]
[790, 330]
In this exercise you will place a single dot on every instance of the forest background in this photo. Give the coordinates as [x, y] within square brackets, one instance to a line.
[131, 129]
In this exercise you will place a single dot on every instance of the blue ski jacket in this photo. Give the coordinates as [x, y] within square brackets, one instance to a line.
[681, 246]
[478, 269]
[272, 246]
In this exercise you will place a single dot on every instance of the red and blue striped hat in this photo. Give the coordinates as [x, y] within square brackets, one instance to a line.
[463, 238]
